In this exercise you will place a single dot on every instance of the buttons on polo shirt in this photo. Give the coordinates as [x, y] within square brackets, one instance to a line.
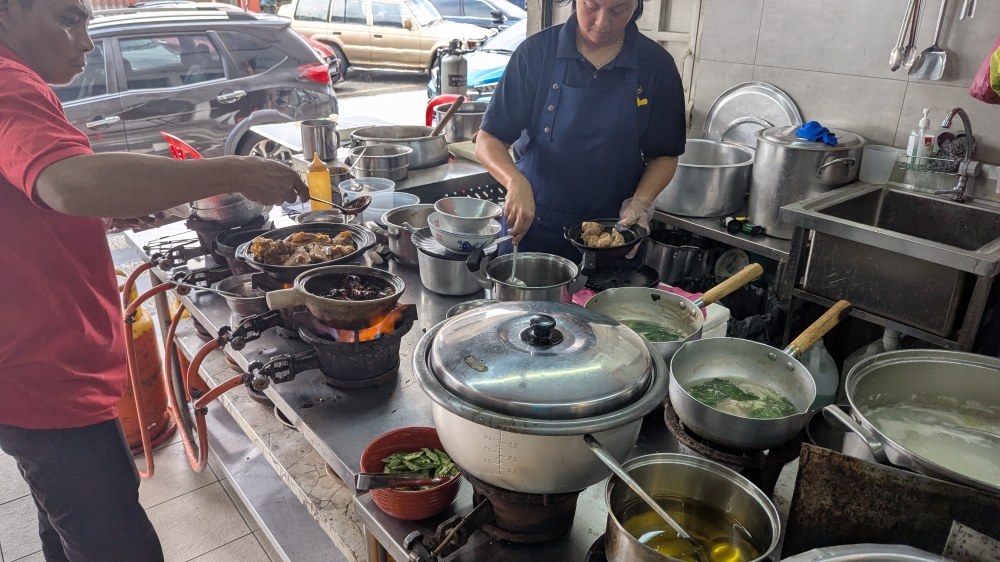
[555, 86]
[546, 129]
[552, 108]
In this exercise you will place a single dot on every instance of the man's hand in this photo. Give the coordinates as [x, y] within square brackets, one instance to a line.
[268, 182]
[519, 208]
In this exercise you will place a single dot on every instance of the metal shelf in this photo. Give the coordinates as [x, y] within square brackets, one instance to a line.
[767, 246]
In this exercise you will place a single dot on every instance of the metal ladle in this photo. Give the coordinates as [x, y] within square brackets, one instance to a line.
[351, 208]
[513, 280]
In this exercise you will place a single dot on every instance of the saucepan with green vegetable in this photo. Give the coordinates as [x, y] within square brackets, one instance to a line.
[745, 394]
[666, 320]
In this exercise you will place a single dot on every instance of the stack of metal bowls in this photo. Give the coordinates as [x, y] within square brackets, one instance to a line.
[387, 161]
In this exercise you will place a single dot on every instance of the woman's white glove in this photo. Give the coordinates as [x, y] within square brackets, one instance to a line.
[636, 210]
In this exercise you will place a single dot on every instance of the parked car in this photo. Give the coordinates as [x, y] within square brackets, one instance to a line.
[194, 73]
[486, 65]
[327, 55]
[403, 34]
[499, 14]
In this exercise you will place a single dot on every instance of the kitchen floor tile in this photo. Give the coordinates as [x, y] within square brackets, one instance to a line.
[33, 557]
[244, 511]
[172, 477]
[266, 545]
[196, 523]
[12, 486]
[245, 549]
[19, 528]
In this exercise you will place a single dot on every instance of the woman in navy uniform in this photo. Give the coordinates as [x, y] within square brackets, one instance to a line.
[595, 111]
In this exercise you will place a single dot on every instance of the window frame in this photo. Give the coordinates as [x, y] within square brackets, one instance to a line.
[110, 74]
[228, 65]
[329, 9]
[402, 12]
[229, 57]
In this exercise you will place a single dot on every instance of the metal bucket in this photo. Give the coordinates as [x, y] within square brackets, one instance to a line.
[464, 123]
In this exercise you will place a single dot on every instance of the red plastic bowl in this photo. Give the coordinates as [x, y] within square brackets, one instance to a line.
[401, 504]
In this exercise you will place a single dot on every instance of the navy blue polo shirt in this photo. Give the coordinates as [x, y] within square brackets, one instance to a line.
[519, 99]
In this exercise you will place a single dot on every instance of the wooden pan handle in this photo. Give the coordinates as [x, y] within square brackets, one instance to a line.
[819, 328]
[745, 275]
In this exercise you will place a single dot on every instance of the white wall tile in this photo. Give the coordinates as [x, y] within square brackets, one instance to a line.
[713, 79]
[730, 30]
[866, 106]
[940, 99]
[851, 37]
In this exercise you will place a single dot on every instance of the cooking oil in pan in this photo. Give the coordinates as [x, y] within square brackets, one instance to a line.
[715, 535]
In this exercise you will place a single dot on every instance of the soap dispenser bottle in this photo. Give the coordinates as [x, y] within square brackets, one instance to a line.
[921, 144]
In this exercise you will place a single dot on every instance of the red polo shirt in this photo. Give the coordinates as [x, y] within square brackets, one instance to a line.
[62, 349]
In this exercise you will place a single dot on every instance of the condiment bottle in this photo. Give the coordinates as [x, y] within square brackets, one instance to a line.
[318, 179]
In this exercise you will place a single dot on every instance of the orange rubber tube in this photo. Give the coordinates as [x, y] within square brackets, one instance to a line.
[201, 409]
[133, 367]
[195, 366]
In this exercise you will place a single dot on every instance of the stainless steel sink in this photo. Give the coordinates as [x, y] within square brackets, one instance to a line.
[898, 252]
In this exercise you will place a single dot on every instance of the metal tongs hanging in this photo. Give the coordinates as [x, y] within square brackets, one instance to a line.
[905, 55]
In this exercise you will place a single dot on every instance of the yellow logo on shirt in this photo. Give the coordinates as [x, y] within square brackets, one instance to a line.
[639, 102]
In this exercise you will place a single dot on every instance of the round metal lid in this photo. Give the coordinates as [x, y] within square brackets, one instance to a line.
[786, 136]
[746, 108]
[541, 360]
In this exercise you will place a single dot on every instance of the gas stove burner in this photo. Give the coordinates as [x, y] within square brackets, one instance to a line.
[760, 467]
[596, 552]
[525, 518]
[208, 231]
[622, 273]
[358, 358]
[201, 331]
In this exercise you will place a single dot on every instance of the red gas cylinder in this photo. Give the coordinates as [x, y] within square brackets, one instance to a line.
[152, 392]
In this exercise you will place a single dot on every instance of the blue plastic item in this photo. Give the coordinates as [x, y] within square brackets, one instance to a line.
[813, 131]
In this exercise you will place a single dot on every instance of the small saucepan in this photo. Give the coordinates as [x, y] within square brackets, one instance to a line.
[732, 358]
[661, 308]
[250, 302]
[336, 313]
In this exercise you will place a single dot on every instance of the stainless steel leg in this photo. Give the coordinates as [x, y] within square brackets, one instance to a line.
[376, 553]
[974, 313]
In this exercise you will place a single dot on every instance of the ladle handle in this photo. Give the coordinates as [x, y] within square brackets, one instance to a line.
[819, 328]
[612, 463]
[744, 276]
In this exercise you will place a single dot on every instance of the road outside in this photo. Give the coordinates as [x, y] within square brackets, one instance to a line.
[399, 97]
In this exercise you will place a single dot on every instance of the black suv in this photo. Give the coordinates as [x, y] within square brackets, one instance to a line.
[194, 73]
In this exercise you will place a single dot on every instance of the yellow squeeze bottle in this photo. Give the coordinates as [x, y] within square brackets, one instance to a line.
[318, 179]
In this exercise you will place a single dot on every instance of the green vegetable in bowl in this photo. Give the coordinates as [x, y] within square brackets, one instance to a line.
[424, 463]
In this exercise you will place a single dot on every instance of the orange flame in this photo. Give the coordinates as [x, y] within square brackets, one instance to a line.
[287, 286]
[384, 326]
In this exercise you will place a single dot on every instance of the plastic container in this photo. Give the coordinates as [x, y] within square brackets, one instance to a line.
[408, 505]
[824, 371]
[366, 186]
[382, 201]
[716, 321]
[877, 163]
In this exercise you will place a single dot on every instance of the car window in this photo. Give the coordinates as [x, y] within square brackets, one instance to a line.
[337, 11]
[312, 10]
[253, 56]
[508, 40]
[478, 9]
[354, 12]
[93, 81]
[387, 15]
[447, 7]
[170, 62]
[424, 12]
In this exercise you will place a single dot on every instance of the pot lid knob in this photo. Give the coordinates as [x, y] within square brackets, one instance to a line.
[541, 331]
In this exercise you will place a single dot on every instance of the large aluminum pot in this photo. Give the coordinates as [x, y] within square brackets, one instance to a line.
[711, 180]
[701, 361]
[227, 210]
[866, 553]
[320, 137]
[890, 378]
[684, 476]
[401, 223]
[548, 277]
[676, 254]
[667, 309]
[789, 169]
[464, 123]
[516, 385]
[428, 151]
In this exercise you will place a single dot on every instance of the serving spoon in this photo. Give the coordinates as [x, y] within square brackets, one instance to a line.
[351, 207]
[513, 280]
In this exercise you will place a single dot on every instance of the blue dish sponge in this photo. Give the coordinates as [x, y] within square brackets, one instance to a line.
[813, 131]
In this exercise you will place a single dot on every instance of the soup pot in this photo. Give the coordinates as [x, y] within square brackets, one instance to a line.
[427, 152]
[548, 277]
[711, 180]
[401, 223]
[703, 360]
[684, 476]
[516, 385]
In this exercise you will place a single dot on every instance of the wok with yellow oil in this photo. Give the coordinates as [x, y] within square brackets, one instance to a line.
[748, 524]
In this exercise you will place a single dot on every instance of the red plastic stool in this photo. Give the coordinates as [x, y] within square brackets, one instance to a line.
[439, 100]
[180, 149]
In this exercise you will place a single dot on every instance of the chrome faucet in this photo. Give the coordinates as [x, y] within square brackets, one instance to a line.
[967, 168]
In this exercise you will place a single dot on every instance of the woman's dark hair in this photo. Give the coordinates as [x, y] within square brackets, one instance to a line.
[635, 15]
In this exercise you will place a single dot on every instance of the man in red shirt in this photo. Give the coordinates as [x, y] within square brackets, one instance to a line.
[62, 360]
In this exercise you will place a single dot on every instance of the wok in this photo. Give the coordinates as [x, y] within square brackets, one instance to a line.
[338, 314]
[633, 237]
[701, 361]
[667, 309]
[889, 378]
[364, 240]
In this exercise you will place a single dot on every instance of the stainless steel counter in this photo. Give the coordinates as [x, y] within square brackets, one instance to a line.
[767, 246]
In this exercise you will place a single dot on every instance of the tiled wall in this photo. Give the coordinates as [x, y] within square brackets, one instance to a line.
[832, 58]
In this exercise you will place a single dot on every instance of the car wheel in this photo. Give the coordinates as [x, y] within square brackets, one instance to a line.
[344, 64]
[253, 144]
